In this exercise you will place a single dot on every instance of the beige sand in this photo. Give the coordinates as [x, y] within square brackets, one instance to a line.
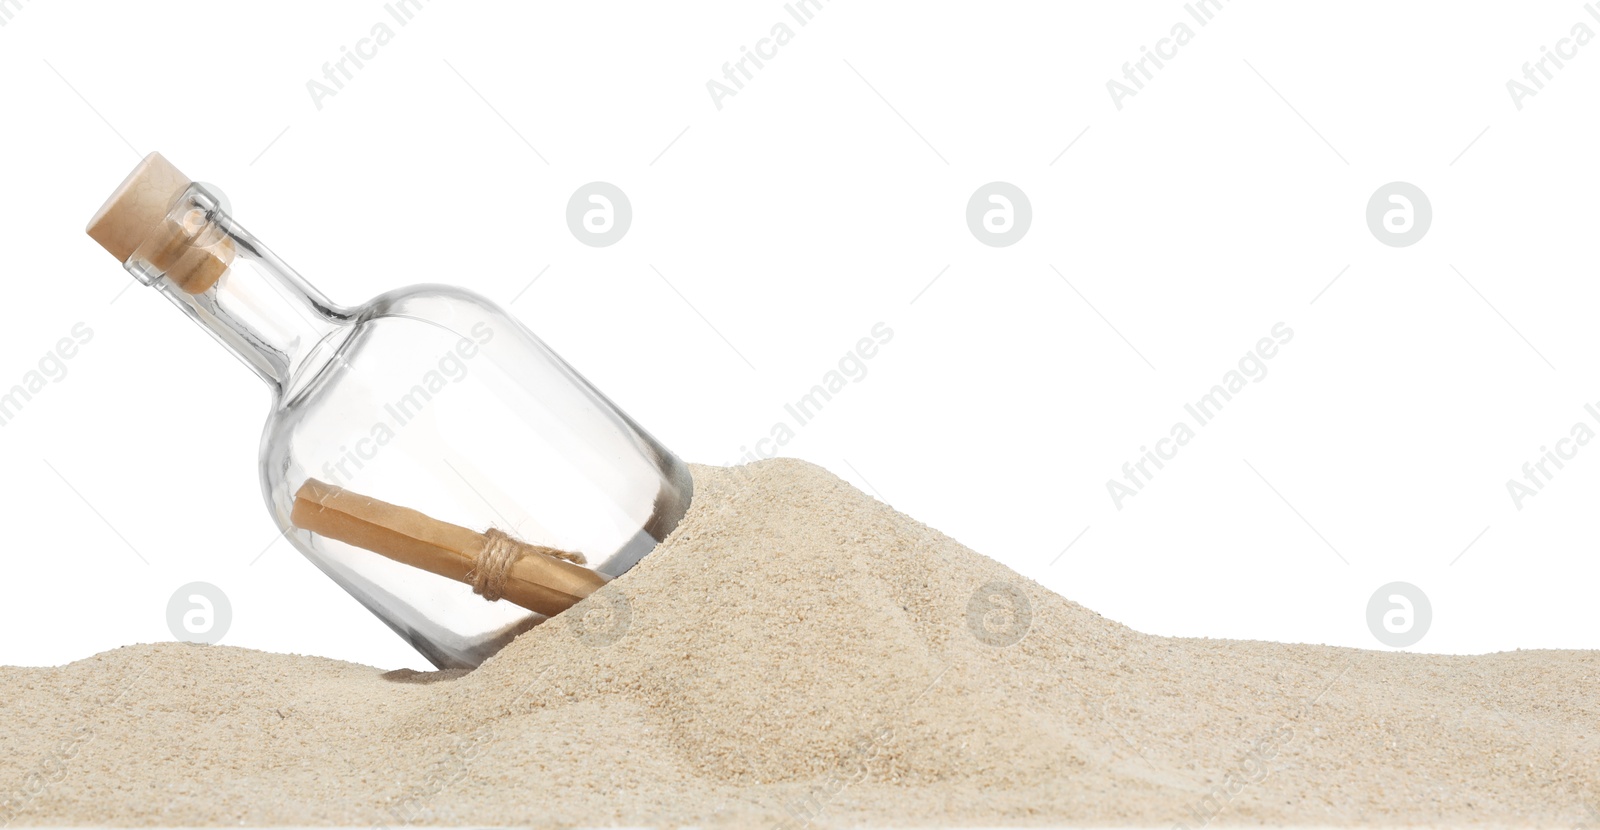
[798, 651]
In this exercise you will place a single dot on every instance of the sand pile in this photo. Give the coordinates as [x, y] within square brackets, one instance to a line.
[800, 653]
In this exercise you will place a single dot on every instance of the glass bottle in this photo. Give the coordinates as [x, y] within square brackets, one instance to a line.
[429, 405]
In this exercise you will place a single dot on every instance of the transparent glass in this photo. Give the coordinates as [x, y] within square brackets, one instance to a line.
[433, 398]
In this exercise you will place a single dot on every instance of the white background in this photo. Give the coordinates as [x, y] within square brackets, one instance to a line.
[821, 199]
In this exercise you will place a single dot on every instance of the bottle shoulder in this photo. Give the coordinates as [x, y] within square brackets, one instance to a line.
[431, 302]
[446, 310]
[391, 337]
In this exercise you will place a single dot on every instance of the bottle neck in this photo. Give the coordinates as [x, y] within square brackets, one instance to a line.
[253, 303]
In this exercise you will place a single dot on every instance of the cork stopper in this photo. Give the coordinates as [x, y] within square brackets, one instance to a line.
[139, 219]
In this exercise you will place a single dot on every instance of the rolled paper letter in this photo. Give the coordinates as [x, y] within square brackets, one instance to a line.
[537, 579]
